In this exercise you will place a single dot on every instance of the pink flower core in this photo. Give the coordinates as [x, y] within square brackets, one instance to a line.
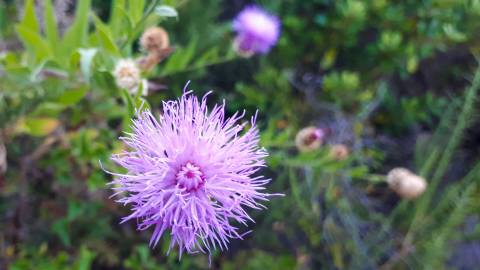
[190, 177]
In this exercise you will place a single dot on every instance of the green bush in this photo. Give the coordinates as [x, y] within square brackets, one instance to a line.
[360, 70]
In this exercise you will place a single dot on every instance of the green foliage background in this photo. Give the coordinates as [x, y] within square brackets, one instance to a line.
[395, 81]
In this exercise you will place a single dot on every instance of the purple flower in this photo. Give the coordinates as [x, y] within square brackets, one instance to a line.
[191, 173]
[257, 31]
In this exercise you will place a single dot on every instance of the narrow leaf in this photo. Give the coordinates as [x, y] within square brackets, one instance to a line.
[51, 29]
[76, 35]
[135, 8]
[105, 36]
[29, 20]
[117, 17]
[34, 43]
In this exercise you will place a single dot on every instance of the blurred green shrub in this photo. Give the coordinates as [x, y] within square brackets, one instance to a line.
[61, 113]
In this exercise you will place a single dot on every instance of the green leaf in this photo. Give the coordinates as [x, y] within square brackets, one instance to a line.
[86, 58]
[34, 43]
[452, 33]
[117, 17]
[51, 29]
[40, 126]
[96, 181]
[85, 259]
[106, 37]
[135, 8]
[129, 102]
[127, 26]
[73, 96]
[181, 58]
[75, 210]
[49, 109]
[60, 228]
[76, 35]
[29, 20]
[166, 11]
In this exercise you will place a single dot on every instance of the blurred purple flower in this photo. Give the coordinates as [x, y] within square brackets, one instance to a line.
[257, 31]
[191, 173]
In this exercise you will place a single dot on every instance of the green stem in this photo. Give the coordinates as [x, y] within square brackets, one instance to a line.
[462, 123]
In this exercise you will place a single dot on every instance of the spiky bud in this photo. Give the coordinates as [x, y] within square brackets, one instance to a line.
[127, 75]
[339, 152]
[309, 139]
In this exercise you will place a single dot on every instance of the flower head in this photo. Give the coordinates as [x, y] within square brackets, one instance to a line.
[257, 31]
[127, 74]
[191, 172]
[309, 139]
[339, 152]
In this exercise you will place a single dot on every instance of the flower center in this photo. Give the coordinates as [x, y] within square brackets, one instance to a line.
[316, 135]
[190, 177]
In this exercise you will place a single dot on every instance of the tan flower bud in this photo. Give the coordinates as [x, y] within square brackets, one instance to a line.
[405, 183]
[309, 139]
[155, 39]
[339, 152]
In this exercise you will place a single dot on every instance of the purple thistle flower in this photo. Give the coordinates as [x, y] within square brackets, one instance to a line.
[257, 31]
[191, 172]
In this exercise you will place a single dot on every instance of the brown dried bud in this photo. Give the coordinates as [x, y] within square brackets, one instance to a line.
[148, 62]
[153, 58]
[309, 139]
[155, 39]
[405, 183]
[339, 152]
